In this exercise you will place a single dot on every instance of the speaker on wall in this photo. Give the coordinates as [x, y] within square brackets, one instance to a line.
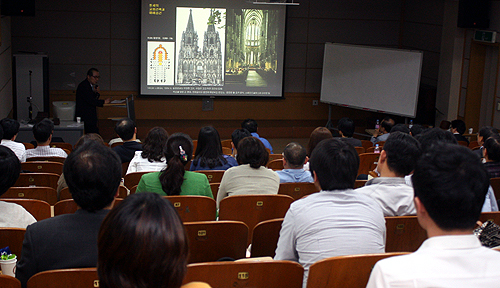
[473, 14]
[18, 7]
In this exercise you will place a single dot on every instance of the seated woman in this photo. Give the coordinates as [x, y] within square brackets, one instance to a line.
[174, 180]
[148, 228]
[151, 158]
[319, 134]
[208, 155]
[251, 176]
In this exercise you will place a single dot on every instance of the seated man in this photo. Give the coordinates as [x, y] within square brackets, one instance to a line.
[335, 221]
[93, 173]
[397, 159]
[346, 130]
[236, 136]
[483, 134]
[127, 130]
[43, 131]
[294, 158]
[492, 156]
[251, 126]
[383, 131]
[10, 131]
[450, 187]
[458, 129]
[11, 214]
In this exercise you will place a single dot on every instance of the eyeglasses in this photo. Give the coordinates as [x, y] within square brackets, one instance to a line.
[96, 77]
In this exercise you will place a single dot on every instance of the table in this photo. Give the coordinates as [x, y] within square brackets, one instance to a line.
[69, 131]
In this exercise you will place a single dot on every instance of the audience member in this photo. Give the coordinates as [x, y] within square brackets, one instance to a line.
[337, 220]
[416, 129]
[294, 158]
[145, 227]
[93, 173]
[318, 134]
[43, 131]
[458, 129]
[152, 156]
[492, 155]
[450, 187]
[251, 176]
[236, 136]
[397, 159]
[10, 131]
[400, 128]
[483, 134]
[383, 131]
[251, 126]
[346, 130]
[174, 180]
[208, 155]
[127, 131]
[11, 214]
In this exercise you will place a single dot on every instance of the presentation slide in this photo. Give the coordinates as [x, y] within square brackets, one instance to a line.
[212, 48]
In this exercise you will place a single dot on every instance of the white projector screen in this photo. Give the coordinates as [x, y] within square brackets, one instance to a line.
[371, 78]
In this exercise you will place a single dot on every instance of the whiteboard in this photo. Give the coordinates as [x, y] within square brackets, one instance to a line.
[371, 78]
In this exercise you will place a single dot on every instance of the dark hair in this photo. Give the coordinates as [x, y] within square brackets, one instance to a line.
[42, 130]
[172, 177]
[239, 134]
[252, 151]
[492, 146]
[451, 182]
[125, 128]
[346, 126]
[10, 168]
[10, 128]
[336, 164]
[402, 152]
[91, 71]
[486, 132]
[459, 125]
[209, 149]
[142, 243]
[153, 146]
[295, 155]
[416, 129]
[250, 125]
[93, 173]
[433, 136]
[88, 138]
[401, 128]
[387, 124]
[319, 134]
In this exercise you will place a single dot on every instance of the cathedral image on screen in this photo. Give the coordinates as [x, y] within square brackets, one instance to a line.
[200, 62]
[251, 57]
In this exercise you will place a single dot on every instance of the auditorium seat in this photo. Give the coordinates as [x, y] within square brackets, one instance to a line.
[265, 238]
[63, 278]
[194, 208]
[43, 167]
[38, 208]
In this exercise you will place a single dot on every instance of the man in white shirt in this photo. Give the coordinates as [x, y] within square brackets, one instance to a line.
[10, 130]
[397, 159]
[43, 131]
[335, 221]
[450, 187]
[11, 214]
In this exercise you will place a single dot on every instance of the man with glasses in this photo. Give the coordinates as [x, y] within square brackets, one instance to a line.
[87, 99]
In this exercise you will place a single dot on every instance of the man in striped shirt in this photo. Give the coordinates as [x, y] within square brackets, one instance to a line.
[43, 135]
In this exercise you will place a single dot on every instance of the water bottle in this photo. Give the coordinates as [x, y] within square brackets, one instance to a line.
[377, 149]
[377, 125]
[411, 124]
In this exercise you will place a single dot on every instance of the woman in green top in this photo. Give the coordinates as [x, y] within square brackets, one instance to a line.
[174, 180]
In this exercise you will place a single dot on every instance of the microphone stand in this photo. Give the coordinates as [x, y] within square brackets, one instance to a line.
[30, 100]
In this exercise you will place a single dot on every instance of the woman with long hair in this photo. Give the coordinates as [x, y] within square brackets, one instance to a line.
[174, 180]
[151, 158]
[319, 134]
[208, 155]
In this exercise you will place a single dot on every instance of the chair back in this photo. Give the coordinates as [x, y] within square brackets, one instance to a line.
[194, 208]
[46, 194]
[370, 150]
[463, 143]
[37, 179]
[63, 278]
[367, 162]
[215, 189]
[50, 159]
[28, 146]
[380, 144]
[366, 144]
[226, 143]
[403, 234]
[275, 157]
[38, 208]
[351, 271]
[227, 151]
[252, 209]
[491, 216]
[359, 183]
[276, 164]
[213, 176]
[132, 179]
[212, 240]
[9, 282]
[297, 190]
[116, 144]
[495, 184]
[133, 189]
[262, 274]
[62, 145]
[474, 144]
[125, 168]
[360, 150]
[12, 237]
[43, 167]
[195, 145]
[265, 238]
[69, 206]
